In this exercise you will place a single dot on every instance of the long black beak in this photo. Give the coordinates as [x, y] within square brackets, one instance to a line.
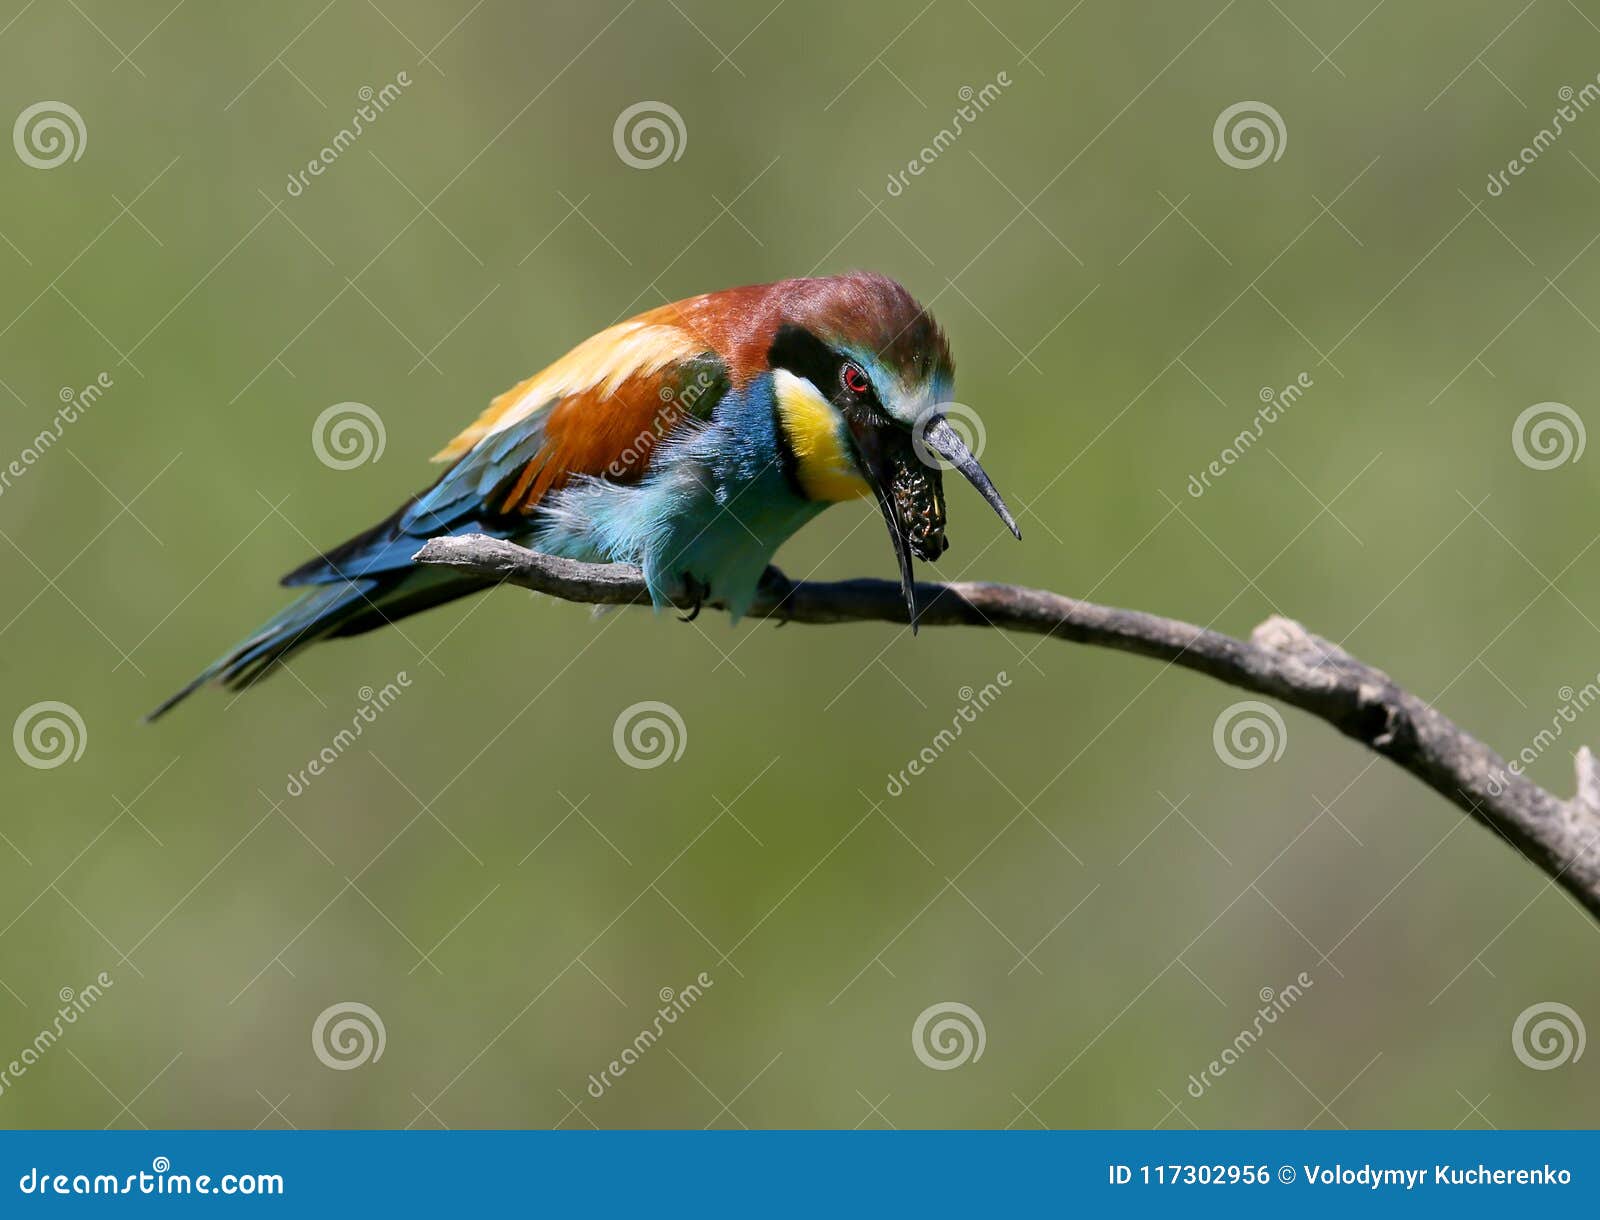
[944, 440]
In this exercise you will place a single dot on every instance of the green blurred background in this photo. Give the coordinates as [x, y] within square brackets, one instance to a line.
[1080, 868]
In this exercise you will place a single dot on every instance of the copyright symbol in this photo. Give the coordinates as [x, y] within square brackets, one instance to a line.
[1286, 1174]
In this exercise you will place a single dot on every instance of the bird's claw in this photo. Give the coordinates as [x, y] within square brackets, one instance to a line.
[695, 592]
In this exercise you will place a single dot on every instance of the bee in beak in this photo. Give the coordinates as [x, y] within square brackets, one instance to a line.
[901, 466]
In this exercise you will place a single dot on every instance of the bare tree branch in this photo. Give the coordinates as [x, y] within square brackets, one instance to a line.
[1282, 659]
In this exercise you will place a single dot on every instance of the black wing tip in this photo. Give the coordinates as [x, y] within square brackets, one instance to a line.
[172, 700]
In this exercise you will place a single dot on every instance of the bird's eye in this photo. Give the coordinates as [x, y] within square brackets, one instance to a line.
[855, 380]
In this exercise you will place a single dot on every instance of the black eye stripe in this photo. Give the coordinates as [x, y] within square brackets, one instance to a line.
[805, 355]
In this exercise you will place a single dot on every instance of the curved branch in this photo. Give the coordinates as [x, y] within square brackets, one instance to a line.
[1281, 659]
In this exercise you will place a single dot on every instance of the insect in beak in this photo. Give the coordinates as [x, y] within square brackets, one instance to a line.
[910, 490]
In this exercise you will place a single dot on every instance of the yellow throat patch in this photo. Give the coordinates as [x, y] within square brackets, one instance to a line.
[812, 426]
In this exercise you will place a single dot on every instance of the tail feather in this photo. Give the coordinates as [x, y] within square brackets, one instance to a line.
[308, 618]
[387, 545]
[422, 589]
[366, 583]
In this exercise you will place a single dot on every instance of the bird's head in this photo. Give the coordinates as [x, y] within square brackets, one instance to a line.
[861, 374]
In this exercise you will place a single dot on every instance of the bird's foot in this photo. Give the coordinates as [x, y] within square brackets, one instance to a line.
[695, 593]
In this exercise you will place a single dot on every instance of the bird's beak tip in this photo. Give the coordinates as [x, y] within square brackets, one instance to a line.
[947, 443]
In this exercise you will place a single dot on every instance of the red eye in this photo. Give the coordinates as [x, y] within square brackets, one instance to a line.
[855, 380]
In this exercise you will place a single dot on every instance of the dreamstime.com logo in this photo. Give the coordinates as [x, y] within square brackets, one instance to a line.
[1574, 702]
[48, 734]
[648, 734]
[1547, 435]
[1548, 1035]
[1273, 1005]
[49, 134]
[1249, 734]
[972, 703]
[373, 103]
[973, 103]
[1249, 134]
[347, 435]
[948, 1035]
[1573, 103]
[676, 406]
[157, 1180]
[74, 1004]
[648, 134]
[673, 1005]
[373, 704]
[75, 405]
[1275, 405]
[347, 1035]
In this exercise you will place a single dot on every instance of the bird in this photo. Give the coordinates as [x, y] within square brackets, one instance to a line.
[691, 441]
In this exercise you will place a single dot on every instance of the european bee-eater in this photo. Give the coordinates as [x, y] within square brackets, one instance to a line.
[692, 441]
